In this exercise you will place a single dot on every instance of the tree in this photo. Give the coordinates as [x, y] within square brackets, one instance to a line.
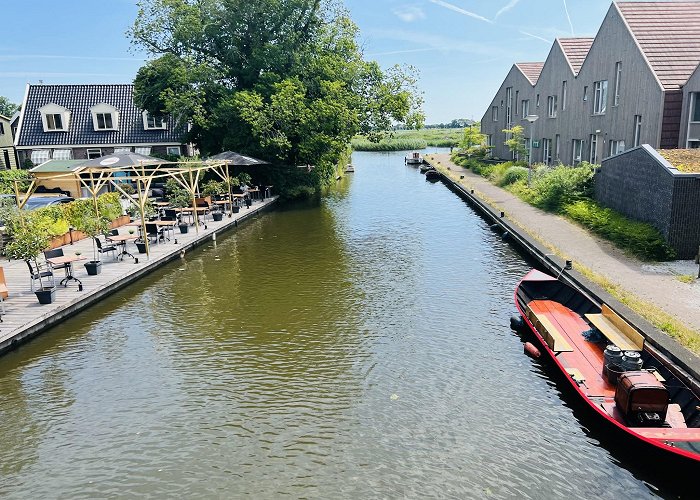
[516, 141]
[280, 79]
[7, 108]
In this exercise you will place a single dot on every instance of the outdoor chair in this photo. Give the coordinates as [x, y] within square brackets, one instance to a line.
[105, 249]
[153, 231]
[57, 252]
[111, 232]
[171, 214]
[37, 272]
[4, 292]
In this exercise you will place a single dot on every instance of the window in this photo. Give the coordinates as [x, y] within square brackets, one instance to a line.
[62, 154]
[577, 148]
[143, 151]
[616, 147]
[695, 107]
[585, 92]
[694, 144]
[494, 113]
[600, 97]
[489, 142]
[151, 122]
[94, 153]
[547, 151]
[104, 117]
[2, 128]
[557, 146]
[537, 103]
[54, 122]
[509, 107]
[525, 107]
[517, 93]
[552, 106]
[593, 153]
[173, 150]
[637, 129]
[563, 95]
[122, 150]
[618, 75]
[39, 156]
[104, 121]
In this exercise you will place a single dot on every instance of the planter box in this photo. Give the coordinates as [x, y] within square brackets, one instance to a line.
[119, 221]
[93, 268]
[46, 295]
[183, 228]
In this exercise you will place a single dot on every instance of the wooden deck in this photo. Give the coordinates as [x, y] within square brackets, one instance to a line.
[24, 317]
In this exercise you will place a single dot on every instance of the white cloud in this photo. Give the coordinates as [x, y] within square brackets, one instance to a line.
[460, 10]
[409, 13]
[506, 8]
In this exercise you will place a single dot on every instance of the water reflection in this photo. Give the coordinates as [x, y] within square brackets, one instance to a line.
[357, 346]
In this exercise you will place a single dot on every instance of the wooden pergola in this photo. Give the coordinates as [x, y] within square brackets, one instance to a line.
[95, 178]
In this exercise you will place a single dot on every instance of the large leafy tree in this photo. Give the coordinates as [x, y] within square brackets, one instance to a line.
[7, 108]
[283, 79]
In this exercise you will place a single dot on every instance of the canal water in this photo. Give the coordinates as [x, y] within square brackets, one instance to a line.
[354, 347]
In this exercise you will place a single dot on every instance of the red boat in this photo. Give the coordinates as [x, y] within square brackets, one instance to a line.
[626, 382]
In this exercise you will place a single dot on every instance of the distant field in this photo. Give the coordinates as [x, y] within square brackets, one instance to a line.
[411, 139]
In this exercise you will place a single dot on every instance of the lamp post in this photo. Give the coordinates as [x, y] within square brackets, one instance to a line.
[531, 119]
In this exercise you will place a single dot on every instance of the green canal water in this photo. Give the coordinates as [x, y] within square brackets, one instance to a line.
[354, 347]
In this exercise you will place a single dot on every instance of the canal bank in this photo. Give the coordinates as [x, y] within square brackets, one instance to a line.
[528, 227]
[24, 318]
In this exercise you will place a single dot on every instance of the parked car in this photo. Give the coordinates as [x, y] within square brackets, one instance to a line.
[35, 202]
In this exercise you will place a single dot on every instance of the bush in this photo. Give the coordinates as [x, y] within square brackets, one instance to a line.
[512, 175]
[555, 187]
[638, 238]
[8, 178]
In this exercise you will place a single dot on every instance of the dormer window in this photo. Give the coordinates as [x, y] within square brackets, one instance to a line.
[151, 122]
[104, 117]
[54, 118]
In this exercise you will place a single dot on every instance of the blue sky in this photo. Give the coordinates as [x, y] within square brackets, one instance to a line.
[463, 48]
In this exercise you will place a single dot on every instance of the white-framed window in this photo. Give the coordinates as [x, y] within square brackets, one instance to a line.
[39, 156]
[517, 96]
[509, 106]
[62, 154]
[104, 117]
[616, 147]
[694, 143]
[143, 150]
[585, 92]
[694, 107]
[494, 113]
[557, 147]
[593, 151]
[151, 122]
[537, 101]
[122, 150]
[525, 107]
[637, 130]
[173, 150]
[547, 151]
[94, 153]
[489, 142]
[618, 78]
[600, 97]
[577, 150]
[54, 118]
[552, 106]
[563, 95]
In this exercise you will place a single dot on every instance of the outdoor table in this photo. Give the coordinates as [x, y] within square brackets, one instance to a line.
[188, 211]
[161, 203]
[67, 259]
[254, 192]
[222, 203]
[168, 224]
[121, 239]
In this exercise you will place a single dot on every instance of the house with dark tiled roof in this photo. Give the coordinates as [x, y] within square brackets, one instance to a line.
[636, 82]
[73, 122]
[7, 150]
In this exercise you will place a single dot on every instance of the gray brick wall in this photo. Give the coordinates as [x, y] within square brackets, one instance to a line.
[639, 185]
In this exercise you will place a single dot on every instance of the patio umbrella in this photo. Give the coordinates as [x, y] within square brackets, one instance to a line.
[116, 160]
[238, 159]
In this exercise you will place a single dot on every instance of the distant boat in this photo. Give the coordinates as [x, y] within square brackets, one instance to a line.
[425, 167]
[349, 169]
[414, 158]
[432, 175]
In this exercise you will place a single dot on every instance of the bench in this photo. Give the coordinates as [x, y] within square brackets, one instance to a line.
[549, 332]
[616, 330]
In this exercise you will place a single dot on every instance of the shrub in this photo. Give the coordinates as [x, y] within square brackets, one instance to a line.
[555, 187]
[638, 238]
[512, 175]
[394, 144]
[8, 178]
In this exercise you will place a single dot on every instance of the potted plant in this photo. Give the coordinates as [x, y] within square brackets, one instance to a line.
[28, 241]
[180, 199]
[93, 226]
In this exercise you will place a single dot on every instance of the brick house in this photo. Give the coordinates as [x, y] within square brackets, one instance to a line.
[73, 122]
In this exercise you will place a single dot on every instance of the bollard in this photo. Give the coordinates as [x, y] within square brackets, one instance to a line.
[136, 260]
[213, 237]
[502, 214]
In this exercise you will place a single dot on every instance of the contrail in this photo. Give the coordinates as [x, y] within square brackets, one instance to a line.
[506, 8]
[568, 17]
[535, 36]
[460, 10]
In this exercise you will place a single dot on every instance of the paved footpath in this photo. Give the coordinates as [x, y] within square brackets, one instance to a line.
[654, 283]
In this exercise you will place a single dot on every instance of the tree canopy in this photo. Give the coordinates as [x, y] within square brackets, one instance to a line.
[281, 79]
[7, 108]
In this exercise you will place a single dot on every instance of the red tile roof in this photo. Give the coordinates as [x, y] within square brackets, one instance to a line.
[531, 70]
[669, 35]
[575, 50]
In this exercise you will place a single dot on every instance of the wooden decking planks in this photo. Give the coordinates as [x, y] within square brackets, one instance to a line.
[24, 316]
[586, 357]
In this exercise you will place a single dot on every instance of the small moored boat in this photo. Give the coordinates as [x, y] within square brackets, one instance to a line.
[425, 167]
[349, 168]
[414, 158]
[432, 175]
[627, 383]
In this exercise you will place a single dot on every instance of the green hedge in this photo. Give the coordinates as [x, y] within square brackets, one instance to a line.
[638, 238]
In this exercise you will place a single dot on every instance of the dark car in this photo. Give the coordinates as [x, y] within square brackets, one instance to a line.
[44, 201]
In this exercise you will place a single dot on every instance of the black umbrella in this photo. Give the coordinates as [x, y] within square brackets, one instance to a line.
[116, 160]
[238, 159]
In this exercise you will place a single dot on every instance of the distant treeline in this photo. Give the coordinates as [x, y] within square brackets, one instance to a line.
[457, 123]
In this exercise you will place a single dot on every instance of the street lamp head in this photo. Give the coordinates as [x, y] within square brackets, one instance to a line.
[532, 118]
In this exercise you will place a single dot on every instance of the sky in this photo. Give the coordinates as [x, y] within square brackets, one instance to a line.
[462, 48]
